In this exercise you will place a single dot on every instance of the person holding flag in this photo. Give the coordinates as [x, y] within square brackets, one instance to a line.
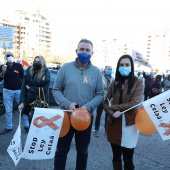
[78, 84]
[12, 73]
[125, 92]
[36, 76]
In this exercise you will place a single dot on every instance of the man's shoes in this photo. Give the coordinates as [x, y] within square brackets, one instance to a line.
[5, 131]
[26, 128]
[96, 133]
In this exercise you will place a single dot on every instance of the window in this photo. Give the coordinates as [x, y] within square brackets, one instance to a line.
[47, 24]
[26, 18]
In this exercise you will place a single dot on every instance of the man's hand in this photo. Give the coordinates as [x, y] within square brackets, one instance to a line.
[84, 107]
[21, 106]
[72, 106]
[4, 67]
[3, 71]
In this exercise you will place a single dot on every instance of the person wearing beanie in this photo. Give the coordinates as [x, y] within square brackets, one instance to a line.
[12, 73]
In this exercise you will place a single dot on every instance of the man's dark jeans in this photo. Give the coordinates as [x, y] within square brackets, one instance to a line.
[82, 140]
[98, 117]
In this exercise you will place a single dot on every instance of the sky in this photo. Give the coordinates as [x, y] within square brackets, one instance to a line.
[97, 19]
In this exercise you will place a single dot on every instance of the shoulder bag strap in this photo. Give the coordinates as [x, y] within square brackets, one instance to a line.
[43, 94]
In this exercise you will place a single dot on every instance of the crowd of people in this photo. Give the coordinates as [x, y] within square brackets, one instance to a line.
[22, 88]
[81, 84]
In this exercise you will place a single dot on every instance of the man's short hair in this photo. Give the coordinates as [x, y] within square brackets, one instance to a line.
[8, 53]
[86, 41]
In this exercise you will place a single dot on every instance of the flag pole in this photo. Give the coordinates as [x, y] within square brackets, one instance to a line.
[131, 108]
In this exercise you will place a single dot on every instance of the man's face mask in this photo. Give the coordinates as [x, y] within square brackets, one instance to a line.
[108, 73]
[10, 59]
[84, 57]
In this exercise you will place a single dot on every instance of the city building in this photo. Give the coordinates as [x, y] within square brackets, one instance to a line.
[32, 33]
[158, 49]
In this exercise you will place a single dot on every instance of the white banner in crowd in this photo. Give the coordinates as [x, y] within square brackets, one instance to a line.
[158, 109]
[139, 59]
[15, 147]
[43, 134]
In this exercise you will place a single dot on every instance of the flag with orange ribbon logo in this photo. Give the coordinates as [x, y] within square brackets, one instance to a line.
[158, 109]
[43, 134]
[24, 60]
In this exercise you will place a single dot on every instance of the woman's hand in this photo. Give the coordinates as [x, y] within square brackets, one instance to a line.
[21, 106]
[117, 114]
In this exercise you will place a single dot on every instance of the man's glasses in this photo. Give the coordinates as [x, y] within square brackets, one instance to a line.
[8, 55]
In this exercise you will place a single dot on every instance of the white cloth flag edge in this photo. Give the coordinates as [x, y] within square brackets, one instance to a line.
[15, 147]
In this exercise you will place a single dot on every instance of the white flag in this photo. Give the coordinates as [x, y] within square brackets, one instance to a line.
[158, 109]
[43, 134]
[139, 59]
[15, 147]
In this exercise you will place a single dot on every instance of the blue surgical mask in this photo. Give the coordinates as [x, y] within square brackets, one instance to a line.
[124, 71]
[108, 73]
[84, 57]
[10, 59]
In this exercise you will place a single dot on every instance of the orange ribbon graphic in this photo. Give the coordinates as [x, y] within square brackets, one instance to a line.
[85, 79]
[16, 71]
[45, 121]
[167, 132]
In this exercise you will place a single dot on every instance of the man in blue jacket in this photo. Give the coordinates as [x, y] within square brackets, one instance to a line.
[12, 73]
[78, 83]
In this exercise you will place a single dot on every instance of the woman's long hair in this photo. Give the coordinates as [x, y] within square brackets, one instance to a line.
[42, 70]
[158, 78]
[120, 79]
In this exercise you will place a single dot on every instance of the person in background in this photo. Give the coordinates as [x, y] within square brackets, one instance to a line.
[78, 83]
[18, 61]
[167, 83]
[156, 87]
[58, 67]
[37, 75]
[107, 79]
[125, 91]
[148, 82]
[12, 73]
[139, 74]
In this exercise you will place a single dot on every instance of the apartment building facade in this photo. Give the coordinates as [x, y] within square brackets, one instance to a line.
[32, 33]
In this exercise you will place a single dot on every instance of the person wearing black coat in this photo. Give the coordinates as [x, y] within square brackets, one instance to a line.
[156, 87]
[148, 82]
[37, 76]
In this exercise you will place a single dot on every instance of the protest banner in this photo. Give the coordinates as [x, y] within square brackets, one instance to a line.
[158, 109]
[43, 134]
[139, 59]
[15, 147]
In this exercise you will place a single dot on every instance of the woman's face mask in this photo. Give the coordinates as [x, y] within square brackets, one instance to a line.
[37, 66]
[124, 71]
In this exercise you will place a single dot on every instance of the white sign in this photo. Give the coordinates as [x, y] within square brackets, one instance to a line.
[158, 109]
[43, 135]
[15, 147]
[6, 37]
[139, 59]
